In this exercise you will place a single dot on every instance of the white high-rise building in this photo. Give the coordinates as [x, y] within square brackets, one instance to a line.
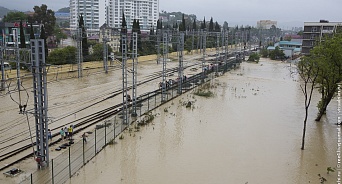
[146, 11]
[94, 14]
[97, 12]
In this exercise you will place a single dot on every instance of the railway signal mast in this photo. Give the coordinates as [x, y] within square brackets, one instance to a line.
[40, 102]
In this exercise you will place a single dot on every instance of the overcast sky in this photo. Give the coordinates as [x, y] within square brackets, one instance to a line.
[234, 12]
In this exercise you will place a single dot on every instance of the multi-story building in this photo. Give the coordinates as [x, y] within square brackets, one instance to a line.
[94, 14]
[98, 12]
[266, 24]
[315, 32]
[146, 11]
[111, 36]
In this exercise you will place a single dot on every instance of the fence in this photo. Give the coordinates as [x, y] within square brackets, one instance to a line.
[80, 153]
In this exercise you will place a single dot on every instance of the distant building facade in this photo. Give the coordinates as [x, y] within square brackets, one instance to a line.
[94, 14]
[146, 11]
[98, 12]
[111, 35]
[266, 24]
[315, 32]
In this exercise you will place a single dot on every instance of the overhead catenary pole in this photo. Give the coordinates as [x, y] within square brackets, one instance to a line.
[180, 58]
[217, 51]
[204, 40]
[40, 102]
[135, 74]
[79, 52]
[105, 51]
[124, 78]
[226, 36]
[165, 50]
[3, 79]
[17, 58]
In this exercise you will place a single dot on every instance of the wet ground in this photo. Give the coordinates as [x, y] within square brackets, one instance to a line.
[250, 131]
[67, 96]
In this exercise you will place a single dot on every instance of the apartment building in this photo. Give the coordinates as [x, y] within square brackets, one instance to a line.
[94, 14]
[98, 12]
[146, 11]
[315, 32]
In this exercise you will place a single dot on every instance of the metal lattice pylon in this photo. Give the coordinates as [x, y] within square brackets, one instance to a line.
[226, 35]
[40, 101]
[124, 78]
[180, 67]
[217, 51]
[135, 75]
[165, 55]
[3, 79]
[79, 52]
[204, 44]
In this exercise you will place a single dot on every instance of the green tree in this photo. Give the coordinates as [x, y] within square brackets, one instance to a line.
[182, 25]
[276, 54]
[44, 16]
[62, 56]
[32, 32]
[203, 25]
[254, 57]
[308, 71]
[15, 16]
[59, 34]
[123, 30]
[328, 56]
[211, 25]
[22, 36]
[194, 25]
[217, 27]
[98, 51]
[85, 50]
[159, 24]
[43, 36]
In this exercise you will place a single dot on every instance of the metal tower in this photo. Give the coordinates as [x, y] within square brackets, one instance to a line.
[158, 45]
[135, 75]
[3, 79]
[124, 78]
[165, 50]
[226, 35]
[180, 67]
[105, 52]
[79, 51]
[40, 101]
[217, 50]
[204, 40]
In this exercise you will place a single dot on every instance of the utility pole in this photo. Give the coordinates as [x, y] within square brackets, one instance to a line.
[3, 79]
[217, 50]
[135, 75]
[226, 35]
[40, 102]
[180, 67]
[124, 78]
[17, 59]
[79, 52]
[105, 50]
[193, 41]
[165, 50]
[204, 40]
[158, 45]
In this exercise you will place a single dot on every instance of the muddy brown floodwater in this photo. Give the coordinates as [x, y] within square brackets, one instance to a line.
[250, 131]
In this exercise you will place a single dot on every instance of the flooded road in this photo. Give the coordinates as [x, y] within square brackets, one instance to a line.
[250, 131]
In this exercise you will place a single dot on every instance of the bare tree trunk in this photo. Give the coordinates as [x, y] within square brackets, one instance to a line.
[304, 128]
